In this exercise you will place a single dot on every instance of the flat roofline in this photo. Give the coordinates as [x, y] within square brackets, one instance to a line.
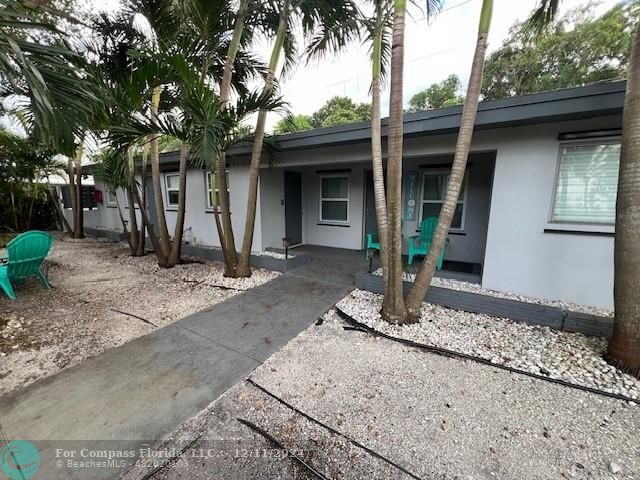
[599, 99]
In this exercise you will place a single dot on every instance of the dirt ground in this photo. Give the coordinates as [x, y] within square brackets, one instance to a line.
[44, 331]
[434, 417]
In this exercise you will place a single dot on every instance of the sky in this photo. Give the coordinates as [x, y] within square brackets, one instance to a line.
[433, 51]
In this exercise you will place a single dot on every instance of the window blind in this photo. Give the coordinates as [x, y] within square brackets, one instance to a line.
[587, 184]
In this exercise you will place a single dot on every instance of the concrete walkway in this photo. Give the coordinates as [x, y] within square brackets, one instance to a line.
[138, 393]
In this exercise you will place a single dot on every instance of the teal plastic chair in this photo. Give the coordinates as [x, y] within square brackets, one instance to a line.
[371, 244]
[375, 244]
[419, 244]
[26, 253]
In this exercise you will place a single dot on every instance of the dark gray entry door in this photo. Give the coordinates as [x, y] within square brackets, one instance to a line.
[293, 206]
[370, 219]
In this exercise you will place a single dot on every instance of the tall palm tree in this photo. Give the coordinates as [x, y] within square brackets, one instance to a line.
[112, 169]
[393, 306]
[624, 347]
[330, 25]
[377, 30]
[456, 177]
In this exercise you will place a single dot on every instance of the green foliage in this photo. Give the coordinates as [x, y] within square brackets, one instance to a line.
[25, 165]
[341, 111]
[574, 50]
[37, 64]
[293, 123]
[111, 166]
[438, 95]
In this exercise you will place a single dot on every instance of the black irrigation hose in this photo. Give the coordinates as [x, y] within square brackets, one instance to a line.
[356, 325]
[279, 445]
[333, 430]
[134, 316]
[168, 461]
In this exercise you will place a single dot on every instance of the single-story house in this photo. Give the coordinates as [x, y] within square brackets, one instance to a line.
[536, 216]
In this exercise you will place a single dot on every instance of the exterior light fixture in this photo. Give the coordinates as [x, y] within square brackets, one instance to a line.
[286, 243]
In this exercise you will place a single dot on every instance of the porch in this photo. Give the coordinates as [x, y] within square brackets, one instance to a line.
[340, 265]
[332, 206]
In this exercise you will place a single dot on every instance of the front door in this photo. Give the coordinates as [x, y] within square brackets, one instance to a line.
[370, 219]
[293, 206]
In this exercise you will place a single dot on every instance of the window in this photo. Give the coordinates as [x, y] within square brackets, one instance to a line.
[111, 198]
[334, 199]
[172, 185]
[88, 197]
[587, 184]
[211, 188]
[434, 189]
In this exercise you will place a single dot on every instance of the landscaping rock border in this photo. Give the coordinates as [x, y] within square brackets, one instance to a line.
[531, 313]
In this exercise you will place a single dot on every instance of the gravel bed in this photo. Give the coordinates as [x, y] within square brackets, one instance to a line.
[574, 357]
[462, 286]
[44, 331]
[440, 418]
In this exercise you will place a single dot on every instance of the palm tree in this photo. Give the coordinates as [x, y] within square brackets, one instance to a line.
[112, 168]
[184, 105]
[624, 346]
[37, 64]
[330, 25]
[425, 273]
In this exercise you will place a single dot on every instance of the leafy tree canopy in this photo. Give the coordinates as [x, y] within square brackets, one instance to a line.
[340, 111]
[576, 49]
[293, 123]
[438, 95]
[337, 111]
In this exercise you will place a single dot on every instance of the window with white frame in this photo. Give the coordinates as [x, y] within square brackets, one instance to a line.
[434, 189]
[334, 198]
[172, 186]
[111, 198]
[587, 184]
[213, 194]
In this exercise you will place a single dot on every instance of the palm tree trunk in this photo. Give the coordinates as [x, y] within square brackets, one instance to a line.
[122, 220]
[425, 274]
[165, 243]
[72, 193]
[16, 224]
[393, 308]
[143, 184]
[145, 219]
[624, 347]
[134, 236]
[53, 194]
[224, 225]
[78, 228]
[244, 266]
[176, 248]
[78, 211]
[376, 153]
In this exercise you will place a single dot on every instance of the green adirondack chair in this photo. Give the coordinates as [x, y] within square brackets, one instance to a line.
[419, 244]
[26, 254]
[371, 243]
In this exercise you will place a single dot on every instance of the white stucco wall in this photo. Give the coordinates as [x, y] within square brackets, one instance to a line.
[519, 256]
[199, 224]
